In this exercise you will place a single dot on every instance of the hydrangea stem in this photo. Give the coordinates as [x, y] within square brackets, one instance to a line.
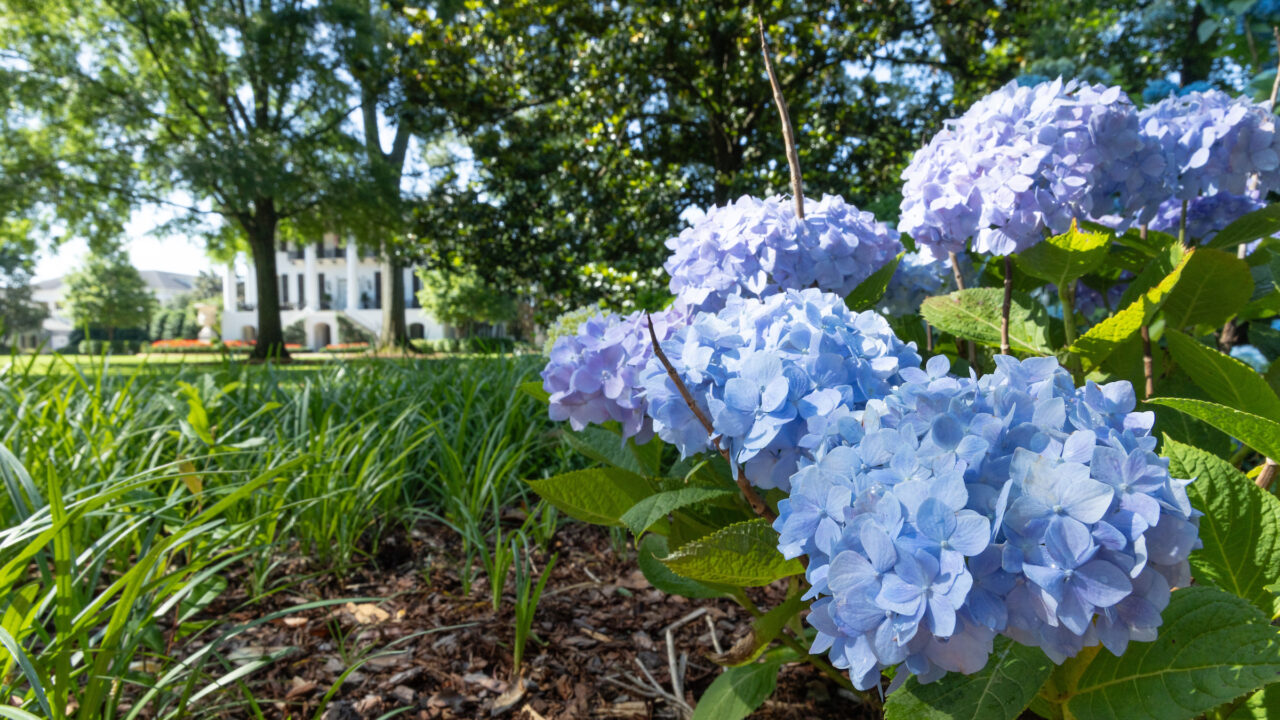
[1065, 296]
[1008, 303]
[1182, 225]
[1268, 474]
[788, 137]
[753, 499]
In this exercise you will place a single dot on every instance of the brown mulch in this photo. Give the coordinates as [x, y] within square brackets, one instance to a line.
[598, 622]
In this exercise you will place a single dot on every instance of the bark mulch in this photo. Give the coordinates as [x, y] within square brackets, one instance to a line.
[431, 651]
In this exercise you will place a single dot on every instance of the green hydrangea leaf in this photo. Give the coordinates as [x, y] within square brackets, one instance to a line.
[999, 691]
[869, 291]
[738, 692]
[1257, 432]
[744, 554]
[1214, 286]
[1063, 259]
[650, 510]
[974, 314]
[1224, 378]
[600, 496]
[1247, 228]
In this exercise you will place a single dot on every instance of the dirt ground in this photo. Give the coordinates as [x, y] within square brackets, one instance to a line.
[432, 652]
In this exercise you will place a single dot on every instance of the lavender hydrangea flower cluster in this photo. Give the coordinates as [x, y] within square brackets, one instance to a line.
[755, 248]
[1024, 161]
[593, 375]
[778, 377]
[1016, 504]
[1215, 143]
[1206, 215]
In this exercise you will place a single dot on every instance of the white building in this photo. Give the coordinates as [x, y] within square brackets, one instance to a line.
[318, 283]
[56, 330]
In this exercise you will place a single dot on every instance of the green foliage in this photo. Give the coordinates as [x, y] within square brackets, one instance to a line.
[869, 291]
[742, 554]
[1063, 259]
[599, 496]
[1261, 434]
[296, 333]
[1103, 339]
[463, 300]
[1240, 528]
[1213, 287]
[1225, 379]
[649, 556]
[738, 691]
[18, 313]
[999, 691]
[1213, 647]
[644, 514]
[974, 314]
[1256, 225]
[108, 292]
[350, 331]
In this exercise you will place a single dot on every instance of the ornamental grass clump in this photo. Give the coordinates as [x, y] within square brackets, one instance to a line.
[1014, 504]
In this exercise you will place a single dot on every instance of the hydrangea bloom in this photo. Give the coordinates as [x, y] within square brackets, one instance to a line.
[756, 248]
[1016, 504]
[1206, 215]
[1024, 161]
[779, 378]
[567, 323]
[1251, 356]
[593, 375]
[1215, 142]
[920, 275]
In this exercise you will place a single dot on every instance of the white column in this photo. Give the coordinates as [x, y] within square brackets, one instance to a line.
[310, 282]
[229, 287]
[353, 284]
[250, 283]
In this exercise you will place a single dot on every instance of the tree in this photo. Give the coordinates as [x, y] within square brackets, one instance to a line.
[107, 292]
[227, 113]
[463, 300]
[18, 313]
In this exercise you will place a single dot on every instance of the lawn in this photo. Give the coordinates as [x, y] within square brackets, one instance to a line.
[354, 538]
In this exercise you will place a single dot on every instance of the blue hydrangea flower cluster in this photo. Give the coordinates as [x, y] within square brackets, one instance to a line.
[779, 378]
[1016, 504]
[1215, 143]
[1206, 215]
[920, 275]
[755, 248]
[593, 375]
[1024, 161]
[1252, 356]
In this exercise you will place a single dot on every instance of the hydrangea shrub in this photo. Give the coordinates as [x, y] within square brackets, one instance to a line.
[950, 524]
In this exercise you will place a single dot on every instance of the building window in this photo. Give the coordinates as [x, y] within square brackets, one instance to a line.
[284, 290]
[325, 303]
[413, 293]
[377, 290]
[302, 290]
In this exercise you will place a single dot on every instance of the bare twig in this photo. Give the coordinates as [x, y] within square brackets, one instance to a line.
[677, 675]
[1267, 475]
[1148, 368]
[1275, 86]
[753, 499]
[715, 639]
[788, 138]
[1008, 304]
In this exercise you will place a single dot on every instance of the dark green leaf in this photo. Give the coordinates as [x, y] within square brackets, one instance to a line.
[533, 389]
[738, 692]
[869, 291]
[649, 557]
[599, 496]
[1240, 528]
[1262, 705]
[1212, 647]
[1224, 378]
[999, 691]
[744, 554]
[656, 507]
[1257, 224]
[1257, 432]
[1214, 286]
[606, 447]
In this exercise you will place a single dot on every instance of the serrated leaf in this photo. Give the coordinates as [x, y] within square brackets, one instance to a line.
[974, 314]
[738, 692]
[744, 554]
[1214, 286]
[1154, 244]
[1262, 705]
[1257, 432]
[1156, 269]
[1063, 259]
[999, 691]
[1213, 647]
[1240, 528]
[1224, 378]
[533, 389]
[869, 291]
[649, 557]
[598, 495]
[1247, 228]
[606, 447]
[1102, 339]
[650, 510]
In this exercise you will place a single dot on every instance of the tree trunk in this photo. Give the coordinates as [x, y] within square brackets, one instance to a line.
[394, 331]
[262, 243]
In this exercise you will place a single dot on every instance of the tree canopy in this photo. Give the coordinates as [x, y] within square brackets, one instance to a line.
[108, 292]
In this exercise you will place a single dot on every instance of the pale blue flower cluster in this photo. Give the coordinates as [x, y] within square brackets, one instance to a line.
[593, 375]
[1024, 161]
[1251, 356]
[921, 275]
[755, 248]
[778, 377]
[1016, 504]
[1215, 143]
[1206, 215]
